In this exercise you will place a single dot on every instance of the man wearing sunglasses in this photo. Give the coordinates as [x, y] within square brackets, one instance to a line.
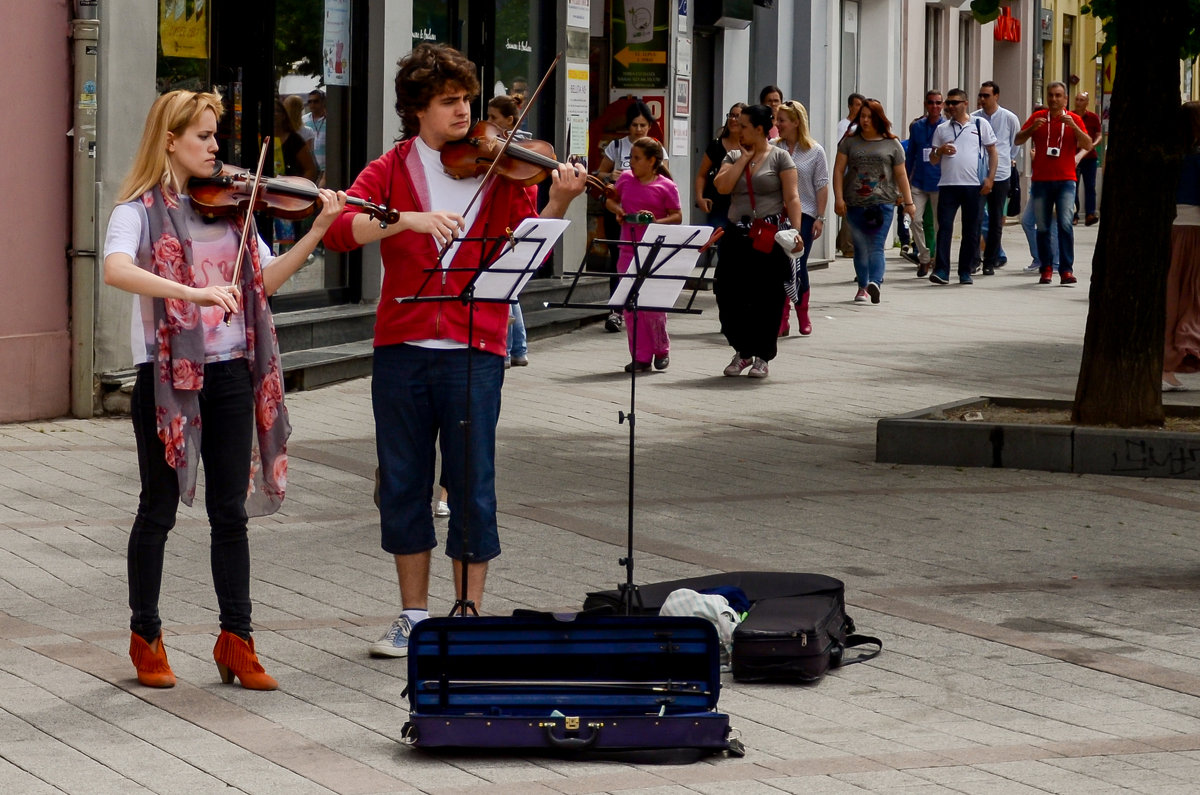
[923, 176]
[1005, 124]
[966, 149]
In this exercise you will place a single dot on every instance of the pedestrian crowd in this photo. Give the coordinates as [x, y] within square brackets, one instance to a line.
[953, 164]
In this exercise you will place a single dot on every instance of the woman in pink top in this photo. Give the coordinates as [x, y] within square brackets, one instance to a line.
[645, 194]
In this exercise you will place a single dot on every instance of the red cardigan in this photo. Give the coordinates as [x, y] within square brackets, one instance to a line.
[397, 180]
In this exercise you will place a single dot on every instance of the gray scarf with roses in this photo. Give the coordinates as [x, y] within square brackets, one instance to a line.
[179, 362]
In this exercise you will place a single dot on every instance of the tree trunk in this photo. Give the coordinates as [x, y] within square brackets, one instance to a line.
[1121, 370]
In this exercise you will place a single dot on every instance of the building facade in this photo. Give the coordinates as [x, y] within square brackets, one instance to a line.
[97, 66]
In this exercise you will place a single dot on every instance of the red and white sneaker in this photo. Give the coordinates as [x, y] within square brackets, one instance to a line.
[738, 364]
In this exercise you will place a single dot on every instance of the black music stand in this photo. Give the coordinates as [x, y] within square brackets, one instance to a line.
[663, 263]
[506, 264]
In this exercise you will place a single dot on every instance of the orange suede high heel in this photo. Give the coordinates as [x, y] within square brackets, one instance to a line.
[153, 670]
[236, 657]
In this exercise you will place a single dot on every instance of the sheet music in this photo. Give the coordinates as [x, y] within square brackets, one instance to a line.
[505, 278]
[660, 293]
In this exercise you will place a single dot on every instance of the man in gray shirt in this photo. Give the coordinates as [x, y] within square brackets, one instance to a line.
[1006, 125]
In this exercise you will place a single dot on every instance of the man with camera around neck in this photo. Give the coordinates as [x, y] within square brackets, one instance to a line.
[1057, 134]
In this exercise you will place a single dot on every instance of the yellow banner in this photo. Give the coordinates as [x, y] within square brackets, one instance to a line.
[1110, 70]
[183, 31]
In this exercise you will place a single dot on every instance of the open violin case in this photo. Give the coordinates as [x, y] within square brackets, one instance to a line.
[566, 684]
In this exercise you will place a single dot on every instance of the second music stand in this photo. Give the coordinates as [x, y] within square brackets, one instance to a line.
[663, 261]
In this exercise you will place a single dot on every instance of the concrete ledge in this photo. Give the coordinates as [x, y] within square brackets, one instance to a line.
[936, 436]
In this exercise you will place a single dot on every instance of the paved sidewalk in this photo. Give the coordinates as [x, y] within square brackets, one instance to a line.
[1040, 629]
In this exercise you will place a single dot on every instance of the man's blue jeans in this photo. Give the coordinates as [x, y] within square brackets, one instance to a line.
[419, 396]
[1054, 206]
[518, 341]
[1030, 226]
[869, 240]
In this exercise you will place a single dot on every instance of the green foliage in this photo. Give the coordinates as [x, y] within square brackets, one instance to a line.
[299, 34]
[1106, 11]
[985, 11]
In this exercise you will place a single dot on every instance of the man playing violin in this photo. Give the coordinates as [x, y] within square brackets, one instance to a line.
[419, 386]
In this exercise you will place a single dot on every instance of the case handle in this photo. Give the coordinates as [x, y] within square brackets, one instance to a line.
[572, 743]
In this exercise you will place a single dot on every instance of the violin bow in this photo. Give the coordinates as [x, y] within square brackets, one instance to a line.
[504, 147]
[237, 266]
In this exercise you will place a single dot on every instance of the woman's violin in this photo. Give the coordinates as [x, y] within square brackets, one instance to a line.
[228, 190]
[524, 162]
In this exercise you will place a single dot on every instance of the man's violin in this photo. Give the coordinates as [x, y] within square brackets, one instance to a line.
[227, 192]
[523, 162]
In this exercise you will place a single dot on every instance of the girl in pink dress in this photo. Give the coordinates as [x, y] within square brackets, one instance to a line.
[645, 194]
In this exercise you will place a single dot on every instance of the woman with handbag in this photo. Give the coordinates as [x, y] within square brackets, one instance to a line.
[752, 268]
[812, 183]
[868, 177]
[209, 386]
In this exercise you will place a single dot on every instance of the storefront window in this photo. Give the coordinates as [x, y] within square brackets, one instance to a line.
[312, 51]
[517, 51]
[296, 91]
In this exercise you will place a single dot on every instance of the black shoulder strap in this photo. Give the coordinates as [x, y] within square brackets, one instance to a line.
[861, 640]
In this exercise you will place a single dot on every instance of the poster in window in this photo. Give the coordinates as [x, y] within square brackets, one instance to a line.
[183, 28]
[683, 96]
[640, 37]
[335, 50]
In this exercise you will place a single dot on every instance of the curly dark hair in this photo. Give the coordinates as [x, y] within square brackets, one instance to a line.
[426, 72]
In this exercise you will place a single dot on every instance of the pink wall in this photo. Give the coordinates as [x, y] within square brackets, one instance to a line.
[35, 71]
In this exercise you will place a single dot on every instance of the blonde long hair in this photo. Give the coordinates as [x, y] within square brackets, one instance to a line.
[799, 115]
[173, 112]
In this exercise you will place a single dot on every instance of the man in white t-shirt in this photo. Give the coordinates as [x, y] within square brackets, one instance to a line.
[965, 148]
[1006, 125]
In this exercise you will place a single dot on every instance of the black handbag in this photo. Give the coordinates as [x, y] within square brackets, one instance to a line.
[1014, 194]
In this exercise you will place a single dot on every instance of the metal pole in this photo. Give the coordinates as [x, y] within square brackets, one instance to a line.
[86, 34]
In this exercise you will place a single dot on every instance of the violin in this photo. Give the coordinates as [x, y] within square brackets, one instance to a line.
[227, 192]
[524, 163]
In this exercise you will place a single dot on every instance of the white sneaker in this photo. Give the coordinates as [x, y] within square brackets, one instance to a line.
[441, 510]
[394, 642]
[758, 369]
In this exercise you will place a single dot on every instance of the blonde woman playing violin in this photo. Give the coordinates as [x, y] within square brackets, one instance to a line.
[206, 390]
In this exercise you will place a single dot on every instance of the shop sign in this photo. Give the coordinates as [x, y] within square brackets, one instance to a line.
[640, 36]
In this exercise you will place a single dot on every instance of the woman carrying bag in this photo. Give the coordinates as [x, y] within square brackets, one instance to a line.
[752, 268]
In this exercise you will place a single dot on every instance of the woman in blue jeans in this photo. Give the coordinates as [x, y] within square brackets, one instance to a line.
[868, 178]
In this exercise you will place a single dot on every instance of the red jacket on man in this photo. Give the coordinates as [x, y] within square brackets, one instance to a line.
[397, 180]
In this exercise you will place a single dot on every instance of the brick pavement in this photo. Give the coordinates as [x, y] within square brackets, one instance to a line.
[1040, 628]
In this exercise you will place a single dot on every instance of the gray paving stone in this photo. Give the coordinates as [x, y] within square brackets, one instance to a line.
[963, 572]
